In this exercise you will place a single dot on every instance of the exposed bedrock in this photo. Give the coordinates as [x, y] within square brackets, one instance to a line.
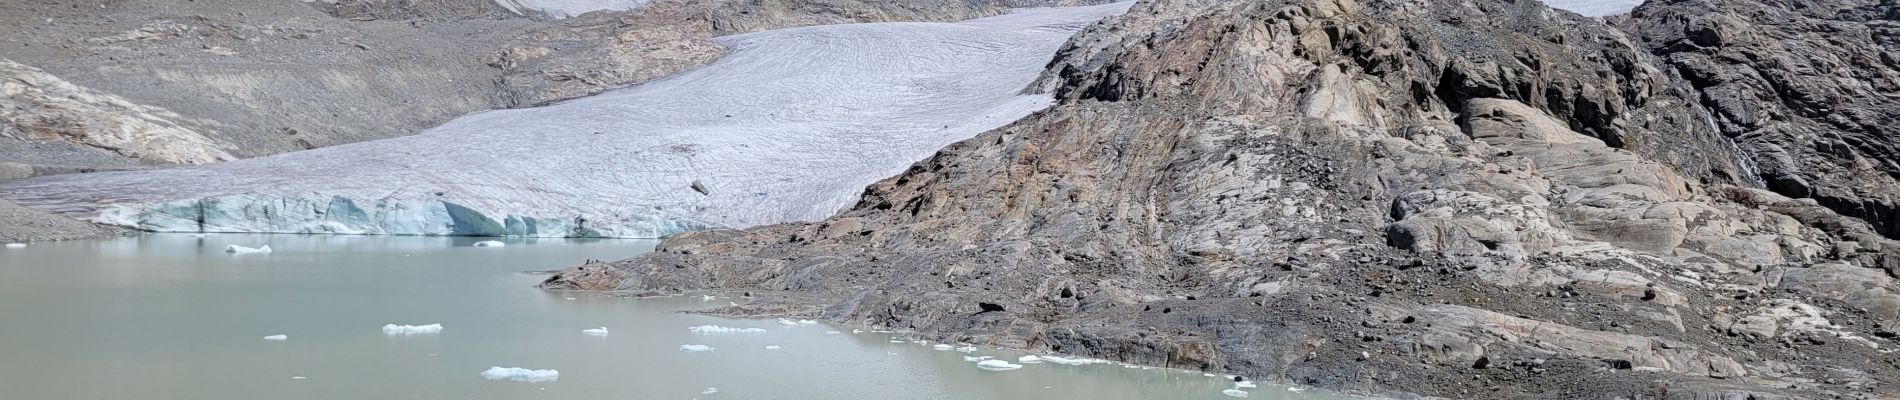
[1484, 199]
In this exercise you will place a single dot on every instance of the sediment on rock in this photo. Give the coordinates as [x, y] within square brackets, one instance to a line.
[1484, 199]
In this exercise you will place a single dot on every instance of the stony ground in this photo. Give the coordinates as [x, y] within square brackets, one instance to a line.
[1487, 199]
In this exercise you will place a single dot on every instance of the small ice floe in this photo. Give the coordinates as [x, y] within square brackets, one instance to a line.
[943, 347]
[490, 243]
[1295, 389]
[695, 348]
[1207, 374]
[1072, 360]
[521, 374]
[831, 332]
[1029, 359]
[773, 347]
[297, 378]
[394, 329]
[1245, 385]
[787, 322]
[709, 390]
[721, 330]
[1234, 393]
[976, 358]
[277, 337]
[601, 331]
[732, 304]
[898, 341]
[15, 245]
[997, 365]
[966, 349]
[707, 298]
[857, 331]
[236, 249]
[570, 298]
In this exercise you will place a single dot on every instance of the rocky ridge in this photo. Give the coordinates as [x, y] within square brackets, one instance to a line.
[1486, 199]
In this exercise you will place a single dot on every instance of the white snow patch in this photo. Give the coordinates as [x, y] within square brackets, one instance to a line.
[791, 125]
[721, 330]
[490, 243]
[1595, 8]
[601, 331]
[521, 374]
[695, 348]
[997, 365]
[277, 337]
[394, 329]
[1234, 393]
[236, 249]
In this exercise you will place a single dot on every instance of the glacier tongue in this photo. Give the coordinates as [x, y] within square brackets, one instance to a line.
[791, 126]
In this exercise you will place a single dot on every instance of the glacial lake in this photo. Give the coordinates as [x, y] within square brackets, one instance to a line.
[173, 316]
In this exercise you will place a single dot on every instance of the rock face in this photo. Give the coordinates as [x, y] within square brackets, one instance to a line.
[1483, 199]
[1810, 91]
[40, 107]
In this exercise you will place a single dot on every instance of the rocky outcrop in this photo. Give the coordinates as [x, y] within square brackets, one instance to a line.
[39, 107]
[1486, 199]
[1809, 90]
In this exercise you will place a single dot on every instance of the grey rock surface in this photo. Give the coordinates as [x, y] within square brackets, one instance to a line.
[1484, 199]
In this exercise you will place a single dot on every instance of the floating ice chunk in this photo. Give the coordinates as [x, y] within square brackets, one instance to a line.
[773, 347]
[897, 341]
[787, 322]
[1234, 393]
[521, 374]
[695, 348]
[721, 330]
[15, 245]
[976, 359]
[997, 365]
[1295, 389]
[857, 331]
[944, 347]
[297, 378]
[967, 349]
[277, 337]
[1245, 385]
[710, 390]
[732, 304]
[199, 235]
[601, 331]
[570, 298]
[490, 243]
[707, 298]
[1029, 359]
[1072, 360]
[1207, 374]
[394, 329]
[236, 249]
[831, 332]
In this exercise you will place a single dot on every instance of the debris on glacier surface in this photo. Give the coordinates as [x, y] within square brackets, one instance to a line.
[394, 329]
[997, 365]
[277, 337]
[816, 114]
[490, 243]
[601, 331]
[695, 348]
[236, 249]
[721, 330]
[521, 374]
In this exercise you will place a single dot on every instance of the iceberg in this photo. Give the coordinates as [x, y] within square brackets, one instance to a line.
[695, 348]
[521, 374]
[997, 365]
[601, 331]
[236, 249]
[1234, 393]
[1245, 385]
[277, 337]
[721, 330]
[967, 349]
[976, 358]
[394, 329]
[1072, 360]
[15, 245]
[943, 347]
[707, 298]
[297, 378]
[778, 144]
[773, 347]
[490, 243]
[1029, 359]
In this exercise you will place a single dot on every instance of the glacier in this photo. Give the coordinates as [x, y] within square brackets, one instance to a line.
[1595, 8]
[790, 126]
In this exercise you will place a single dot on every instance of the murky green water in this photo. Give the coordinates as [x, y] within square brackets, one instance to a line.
[175, 317]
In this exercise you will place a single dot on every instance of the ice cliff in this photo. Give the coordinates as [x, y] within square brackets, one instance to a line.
[790, 127]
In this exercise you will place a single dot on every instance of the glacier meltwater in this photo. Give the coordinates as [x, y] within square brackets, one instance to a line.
[791, 126]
